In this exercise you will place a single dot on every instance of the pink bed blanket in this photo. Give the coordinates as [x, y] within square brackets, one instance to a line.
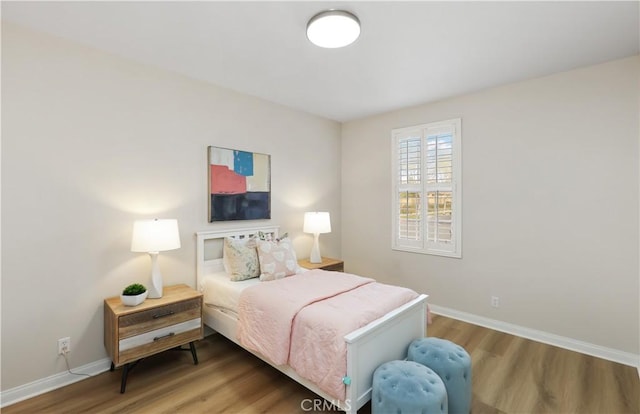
[302, 320]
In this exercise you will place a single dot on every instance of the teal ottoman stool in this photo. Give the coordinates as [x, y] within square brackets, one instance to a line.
[452, 363]
[406, 387]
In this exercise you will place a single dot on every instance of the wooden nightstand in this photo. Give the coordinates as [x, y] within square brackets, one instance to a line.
[327, 264]
[135, 332]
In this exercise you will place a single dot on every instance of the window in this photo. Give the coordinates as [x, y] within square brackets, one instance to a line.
[427, 209]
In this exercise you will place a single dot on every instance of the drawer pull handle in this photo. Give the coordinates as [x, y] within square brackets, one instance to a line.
[157, 338]
[162, 315]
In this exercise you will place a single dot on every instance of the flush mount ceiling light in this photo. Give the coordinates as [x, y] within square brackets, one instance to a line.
[333, 29]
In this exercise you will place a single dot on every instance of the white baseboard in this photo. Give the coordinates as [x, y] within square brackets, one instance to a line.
[32, 389]
[610, 354]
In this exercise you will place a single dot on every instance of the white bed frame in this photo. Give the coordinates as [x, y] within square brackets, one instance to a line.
[382, 340]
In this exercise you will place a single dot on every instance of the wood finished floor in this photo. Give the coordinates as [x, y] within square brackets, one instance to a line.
[510, 375]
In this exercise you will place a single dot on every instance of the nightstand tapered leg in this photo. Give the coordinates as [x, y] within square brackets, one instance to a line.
[123, 383]
[193, 353]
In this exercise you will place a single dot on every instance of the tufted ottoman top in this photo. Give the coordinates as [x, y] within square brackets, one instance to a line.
[406, 387]
[438, 351]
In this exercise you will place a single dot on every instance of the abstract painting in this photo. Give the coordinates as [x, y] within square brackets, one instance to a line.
[239, 185]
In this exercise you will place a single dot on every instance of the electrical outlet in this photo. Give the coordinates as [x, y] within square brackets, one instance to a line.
[64, 345]
[495, 301]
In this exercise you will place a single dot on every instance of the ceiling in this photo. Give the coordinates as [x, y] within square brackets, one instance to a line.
[408, 53]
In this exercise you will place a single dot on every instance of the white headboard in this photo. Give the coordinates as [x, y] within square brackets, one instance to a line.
[209, 260]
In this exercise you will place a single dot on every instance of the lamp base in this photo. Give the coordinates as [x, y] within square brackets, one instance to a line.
[315, 250]
[155, 289]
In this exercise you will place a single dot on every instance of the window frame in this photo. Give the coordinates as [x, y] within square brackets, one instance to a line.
[424, 246]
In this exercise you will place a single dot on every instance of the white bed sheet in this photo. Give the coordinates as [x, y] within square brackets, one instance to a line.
[221, 292]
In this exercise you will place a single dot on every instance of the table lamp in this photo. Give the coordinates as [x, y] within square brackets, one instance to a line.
[316, 222]
[154, 236]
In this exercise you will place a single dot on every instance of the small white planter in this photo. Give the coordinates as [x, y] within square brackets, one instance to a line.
[128, 300]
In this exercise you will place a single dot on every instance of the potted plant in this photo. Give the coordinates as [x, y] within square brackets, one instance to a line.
[134, 294]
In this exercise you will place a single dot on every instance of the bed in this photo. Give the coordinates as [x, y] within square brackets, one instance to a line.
[384, 339]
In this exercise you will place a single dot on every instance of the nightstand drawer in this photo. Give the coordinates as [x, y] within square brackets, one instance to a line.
[327, 263]
[153, 345]
[158, 335]
[335, 268]
[153, 319]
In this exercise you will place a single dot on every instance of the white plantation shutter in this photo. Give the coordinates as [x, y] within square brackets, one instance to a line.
[426, 191]
[409, 193]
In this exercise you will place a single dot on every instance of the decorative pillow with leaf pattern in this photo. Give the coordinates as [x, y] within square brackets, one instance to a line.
[241, 258]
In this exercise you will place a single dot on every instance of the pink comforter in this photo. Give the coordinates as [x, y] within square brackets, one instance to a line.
[302, 320]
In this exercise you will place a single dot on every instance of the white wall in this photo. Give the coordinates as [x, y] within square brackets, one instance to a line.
[92, 142]
[550, 205]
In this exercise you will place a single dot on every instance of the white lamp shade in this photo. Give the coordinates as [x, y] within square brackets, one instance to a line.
[333, 29]
[155, 235]
[317, 222]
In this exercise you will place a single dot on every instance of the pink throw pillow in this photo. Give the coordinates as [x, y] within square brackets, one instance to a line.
[277, 259]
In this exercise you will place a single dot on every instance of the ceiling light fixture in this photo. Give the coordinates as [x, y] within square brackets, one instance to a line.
[333, 29]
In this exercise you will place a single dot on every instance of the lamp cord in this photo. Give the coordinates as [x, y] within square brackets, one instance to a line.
[69, 369]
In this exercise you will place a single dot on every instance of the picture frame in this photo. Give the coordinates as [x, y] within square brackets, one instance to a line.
[239, 185]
